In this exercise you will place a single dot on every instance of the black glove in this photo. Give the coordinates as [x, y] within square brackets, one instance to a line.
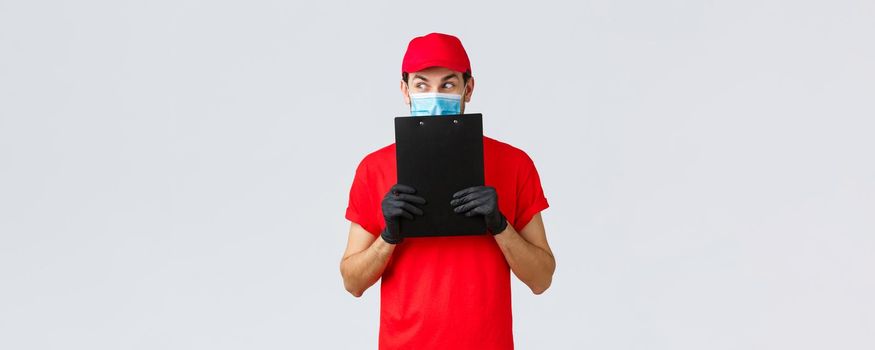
[398, 203]
[480, 200]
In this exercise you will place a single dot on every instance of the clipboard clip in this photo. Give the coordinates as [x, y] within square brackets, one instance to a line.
[455, 121]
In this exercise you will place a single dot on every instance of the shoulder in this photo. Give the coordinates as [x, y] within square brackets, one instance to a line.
[506, 152]
[383, 153]
[377, 159]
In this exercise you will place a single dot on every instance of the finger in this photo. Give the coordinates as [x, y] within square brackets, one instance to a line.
[398, 212]
[467, 191]
[411, 208]
[469, 197]
[403, 189]
[411, 198]
[471, 205]
[407, 215]
[481, 210]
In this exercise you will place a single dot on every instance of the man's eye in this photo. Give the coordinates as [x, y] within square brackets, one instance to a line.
[449, 85]
[420, 85]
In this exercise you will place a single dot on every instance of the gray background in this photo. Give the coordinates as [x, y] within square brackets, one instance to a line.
[173, 174]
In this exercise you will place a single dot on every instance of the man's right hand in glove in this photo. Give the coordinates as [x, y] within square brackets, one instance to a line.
[397, 203]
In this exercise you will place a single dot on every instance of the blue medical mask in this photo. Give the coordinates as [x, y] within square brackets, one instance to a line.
[435, 103]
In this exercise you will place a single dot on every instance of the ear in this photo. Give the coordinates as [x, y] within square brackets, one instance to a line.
[469, 89]
[405, 93]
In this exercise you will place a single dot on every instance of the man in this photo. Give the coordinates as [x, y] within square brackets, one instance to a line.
[446, 292]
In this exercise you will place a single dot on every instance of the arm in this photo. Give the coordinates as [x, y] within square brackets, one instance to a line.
[364, 260]
[366, 256]
[528, 254]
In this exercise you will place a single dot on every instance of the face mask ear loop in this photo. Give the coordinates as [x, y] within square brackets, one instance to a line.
[409, 99]
[462, 102]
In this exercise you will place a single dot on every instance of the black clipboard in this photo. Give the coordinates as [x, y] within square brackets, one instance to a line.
[438, 156]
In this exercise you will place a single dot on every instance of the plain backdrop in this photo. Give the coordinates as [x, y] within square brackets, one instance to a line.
[174, 174]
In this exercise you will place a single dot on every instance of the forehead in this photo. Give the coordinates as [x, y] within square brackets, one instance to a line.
[436, 72]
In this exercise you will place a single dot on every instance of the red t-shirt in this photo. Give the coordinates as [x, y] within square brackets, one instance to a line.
[448, 292]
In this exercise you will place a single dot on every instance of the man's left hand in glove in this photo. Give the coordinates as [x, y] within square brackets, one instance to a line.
[480, 200]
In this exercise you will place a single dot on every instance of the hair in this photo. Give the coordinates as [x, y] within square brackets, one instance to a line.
[465, 76]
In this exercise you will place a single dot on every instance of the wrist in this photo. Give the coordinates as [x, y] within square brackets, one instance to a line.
[497, 225]
[390, 238]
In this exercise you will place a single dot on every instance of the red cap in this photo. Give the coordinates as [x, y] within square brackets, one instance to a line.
[435, 49]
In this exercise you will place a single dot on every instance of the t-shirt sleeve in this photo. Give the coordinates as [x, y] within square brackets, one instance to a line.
[530, 195]
[363, 207]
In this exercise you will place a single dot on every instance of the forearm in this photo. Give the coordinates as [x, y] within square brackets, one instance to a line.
[530, 263]
[363, 269]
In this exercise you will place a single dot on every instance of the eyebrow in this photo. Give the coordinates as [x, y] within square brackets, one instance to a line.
[448, 77]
